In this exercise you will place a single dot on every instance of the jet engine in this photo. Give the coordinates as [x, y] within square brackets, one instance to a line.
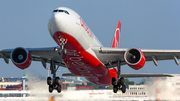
[21, 58]
[135, 58]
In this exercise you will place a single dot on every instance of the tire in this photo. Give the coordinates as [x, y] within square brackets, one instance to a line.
[57, 81]
[122, 80]
[59, 89]
[49, 80]
[115, 88]
[113, 81]
[123, 88]
[51, 88]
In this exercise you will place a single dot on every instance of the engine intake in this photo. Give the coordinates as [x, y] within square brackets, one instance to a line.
[21, 57]
[135, 58]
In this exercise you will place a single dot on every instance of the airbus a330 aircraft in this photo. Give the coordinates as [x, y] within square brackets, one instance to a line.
[80, 51]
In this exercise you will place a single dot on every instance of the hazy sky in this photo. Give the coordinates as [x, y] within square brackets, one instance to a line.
[145, 24]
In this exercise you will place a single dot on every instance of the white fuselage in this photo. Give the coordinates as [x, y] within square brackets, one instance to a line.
[70, 32]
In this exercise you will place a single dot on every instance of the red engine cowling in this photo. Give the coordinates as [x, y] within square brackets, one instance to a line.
[21, 58]
[135, 58]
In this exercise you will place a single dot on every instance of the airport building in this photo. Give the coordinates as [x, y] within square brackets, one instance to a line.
[12, 83]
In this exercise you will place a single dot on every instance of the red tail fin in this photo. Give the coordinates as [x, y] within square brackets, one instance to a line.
[115, 42]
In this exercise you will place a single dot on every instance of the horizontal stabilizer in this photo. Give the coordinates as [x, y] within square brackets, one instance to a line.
[131, 75]
[68, 74]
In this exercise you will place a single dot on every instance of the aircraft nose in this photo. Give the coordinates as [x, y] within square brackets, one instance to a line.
[55, 17]
[55, 23]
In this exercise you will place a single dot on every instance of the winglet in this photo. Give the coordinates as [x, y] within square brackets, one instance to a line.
[115, 42]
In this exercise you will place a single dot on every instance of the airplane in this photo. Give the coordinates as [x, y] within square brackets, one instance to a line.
[83, 55]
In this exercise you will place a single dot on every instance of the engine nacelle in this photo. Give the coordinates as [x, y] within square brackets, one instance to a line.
[135, 58]
[21, 58]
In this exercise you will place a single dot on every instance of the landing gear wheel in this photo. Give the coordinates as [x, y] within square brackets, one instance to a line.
[122, 80]
[115, 88]
[57, 81]
[59, 89]
[49, 80]
[123, 88]
[51, 88]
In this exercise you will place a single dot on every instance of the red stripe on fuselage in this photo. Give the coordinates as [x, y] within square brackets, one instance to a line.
[81, 63]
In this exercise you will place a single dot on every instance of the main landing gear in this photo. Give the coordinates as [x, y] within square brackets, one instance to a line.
[53, 83]
[118, 84]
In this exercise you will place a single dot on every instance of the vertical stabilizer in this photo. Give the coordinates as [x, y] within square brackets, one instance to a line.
[115, 42]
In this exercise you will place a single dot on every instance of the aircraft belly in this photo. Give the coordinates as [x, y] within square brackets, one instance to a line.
[104, 80]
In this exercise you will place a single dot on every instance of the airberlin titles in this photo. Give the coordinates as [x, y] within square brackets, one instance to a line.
[77, 61]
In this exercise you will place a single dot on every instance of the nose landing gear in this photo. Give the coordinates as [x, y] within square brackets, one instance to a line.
[54, 83]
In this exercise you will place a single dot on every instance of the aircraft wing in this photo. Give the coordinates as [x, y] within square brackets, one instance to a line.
[132, 75]
[43, 55]
[112, 55]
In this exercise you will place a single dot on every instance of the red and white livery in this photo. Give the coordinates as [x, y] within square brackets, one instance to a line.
[81, 52]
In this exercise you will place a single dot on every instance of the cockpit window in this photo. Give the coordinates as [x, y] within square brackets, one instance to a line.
[61, 11]
[55, 10]
[67, 12]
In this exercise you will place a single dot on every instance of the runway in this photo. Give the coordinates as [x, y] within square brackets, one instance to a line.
[156, 90]
[80, 95]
